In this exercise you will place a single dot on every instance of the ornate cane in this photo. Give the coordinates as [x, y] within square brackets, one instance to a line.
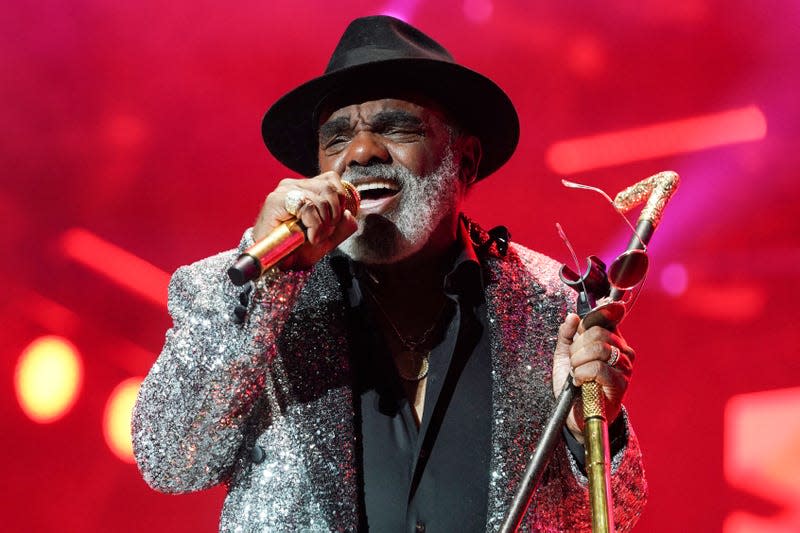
[599, 303]
[657, 190]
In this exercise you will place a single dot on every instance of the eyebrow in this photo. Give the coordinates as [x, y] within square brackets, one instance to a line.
[386, 119]
[380, 122]
[333, 128]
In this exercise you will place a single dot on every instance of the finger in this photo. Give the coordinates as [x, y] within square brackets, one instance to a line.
[568, 328]
[274, 206]
[311, 218]
[275, 209]
[600, 351]
[598, 334]
[600, 372]
[272, 214]
[329, 189]
[566, 332]
[346, 227]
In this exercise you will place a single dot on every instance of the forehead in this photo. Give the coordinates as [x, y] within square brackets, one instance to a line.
[419, 107]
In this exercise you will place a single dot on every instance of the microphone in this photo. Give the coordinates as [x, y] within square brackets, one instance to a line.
[281, 242]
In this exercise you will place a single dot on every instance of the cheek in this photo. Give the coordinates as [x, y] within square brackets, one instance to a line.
[327, 163]
[420, 159]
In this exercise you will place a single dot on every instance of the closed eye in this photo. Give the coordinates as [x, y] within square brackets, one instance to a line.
[335, 132]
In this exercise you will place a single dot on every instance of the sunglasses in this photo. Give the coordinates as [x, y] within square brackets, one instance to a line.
[606, 295]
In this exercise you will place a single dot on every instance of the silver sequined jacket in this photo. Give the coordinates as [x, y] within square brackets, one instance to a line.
[222, 391]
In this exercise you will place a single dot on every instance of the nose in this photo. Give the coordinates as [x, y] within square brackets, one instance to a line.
[367, 148]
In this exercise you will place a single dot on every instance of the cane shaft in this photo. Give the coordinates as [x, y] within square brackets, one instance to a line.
[598, 463]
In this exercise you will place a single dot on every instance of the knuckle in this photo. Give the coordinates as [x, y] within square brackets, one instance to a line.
[598, 351]
[326, 205]
[308, 214]
[274, 198]
[330, 175]
[631, 353]
[599, 333]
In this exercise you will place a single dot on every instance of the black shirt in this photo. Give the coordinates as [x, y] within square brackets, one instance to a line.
[435, 477]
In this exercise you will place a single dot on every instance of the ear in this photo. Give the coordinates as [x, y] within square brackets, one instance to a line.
[470, 158]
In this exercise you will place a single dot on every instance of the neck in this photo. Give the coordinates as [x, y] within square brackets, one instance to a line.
[422, 272]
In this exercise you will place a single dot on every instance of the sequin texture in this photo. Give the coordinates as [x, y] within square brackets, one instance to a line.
[266, 407]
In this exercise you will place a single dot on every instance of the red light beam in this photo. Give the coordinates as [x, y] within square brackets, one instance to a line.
[117, 264]
[657, 140]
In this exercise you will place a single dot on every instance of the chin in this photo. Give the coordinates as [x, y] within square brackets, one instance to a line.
[379, 241]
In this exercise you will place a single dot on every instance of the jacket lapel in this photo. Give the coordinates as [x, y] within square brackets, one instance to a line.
[523, 320]
[317, 377]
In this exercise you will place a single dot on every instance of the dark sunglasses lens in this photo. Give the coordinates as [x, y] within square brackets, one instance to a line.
[628, 270]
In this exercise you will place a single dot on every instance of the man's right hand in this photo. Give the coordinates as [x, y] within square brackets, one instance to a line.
[328, 223]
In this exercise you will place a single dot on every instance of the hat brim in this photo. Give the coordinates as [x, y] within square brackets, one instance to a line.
[477, 103]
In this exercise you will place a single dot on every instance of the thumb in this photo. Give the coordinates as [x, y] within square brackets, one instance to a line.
[566, 332]
[561, 355]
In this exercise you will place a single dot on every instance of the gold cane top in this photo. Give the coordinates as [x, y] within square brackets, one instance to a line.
[657, 190]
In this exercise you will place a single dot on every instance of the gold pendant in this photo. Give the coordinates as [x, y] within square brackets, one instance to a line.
[412, 366]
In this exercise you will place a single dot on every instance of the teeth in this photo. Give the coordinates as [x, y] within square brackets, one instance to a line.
[377, 184]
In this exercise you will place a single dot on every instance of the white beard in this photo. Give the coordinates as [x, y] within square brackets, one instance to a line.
[397, 234]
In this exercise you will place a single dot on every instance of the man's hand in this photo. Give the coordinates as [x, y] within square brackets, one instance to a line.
[322, 212]
[585, 356]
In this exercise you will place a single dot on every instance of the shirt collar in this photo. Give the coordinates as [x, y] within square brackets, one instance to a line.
[463, 279]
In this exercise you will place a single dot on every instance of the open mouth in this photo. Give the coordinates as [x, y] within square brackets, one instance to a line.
[377, 192]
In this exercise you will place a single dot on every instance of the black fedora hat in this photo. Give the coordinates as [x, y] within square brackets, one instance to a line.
[377, 55]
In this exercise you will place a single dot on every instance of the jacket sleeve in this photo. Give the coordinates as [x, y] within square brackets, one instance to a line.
[193, 407]
[562, 502]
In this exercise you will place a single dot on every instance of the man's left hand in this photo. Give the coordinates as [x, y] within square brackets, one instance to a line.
[585, 355]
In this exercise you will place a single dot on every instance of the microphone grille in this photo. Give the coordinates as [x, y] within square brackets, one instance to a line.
[351, 199]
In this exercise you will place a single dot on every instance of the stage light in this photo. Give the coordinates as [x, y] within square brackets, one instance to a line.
[120, 266]
[586, 56]
[401, 9]
[117, 418]
[48, 378]
[762, 458]
[657, 140]
[674, 279]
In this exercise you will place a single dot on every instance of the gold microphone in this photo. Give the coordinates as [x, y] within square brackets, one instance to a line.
[281, 242]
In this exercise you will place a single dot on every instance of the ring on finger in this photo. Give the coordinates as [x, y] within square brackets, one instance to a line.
[294, 201]
[614, 356]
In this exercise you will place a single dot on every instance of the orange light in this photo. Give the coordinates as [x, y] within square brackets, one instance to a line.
[48, 378]
[117, 418]
[657, 140]
[762, 458]
[119, 265]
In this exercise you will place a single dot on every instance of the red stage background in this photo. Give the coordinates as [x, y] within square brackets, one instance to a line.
[131, 146]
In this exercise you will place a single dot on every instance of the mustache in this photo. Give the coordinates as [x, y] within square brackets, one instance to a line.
[357, 175]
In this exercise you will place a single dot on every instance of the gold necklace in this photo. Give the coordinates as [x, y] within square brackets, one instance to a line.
[412, 362]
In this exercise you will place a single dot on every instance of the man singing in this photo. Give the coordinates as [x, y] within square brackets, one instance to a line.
[395, 372]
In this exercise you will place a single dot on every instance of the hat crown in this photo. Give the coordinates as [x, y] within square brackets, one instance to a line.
[377, 57]
[379, 38]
